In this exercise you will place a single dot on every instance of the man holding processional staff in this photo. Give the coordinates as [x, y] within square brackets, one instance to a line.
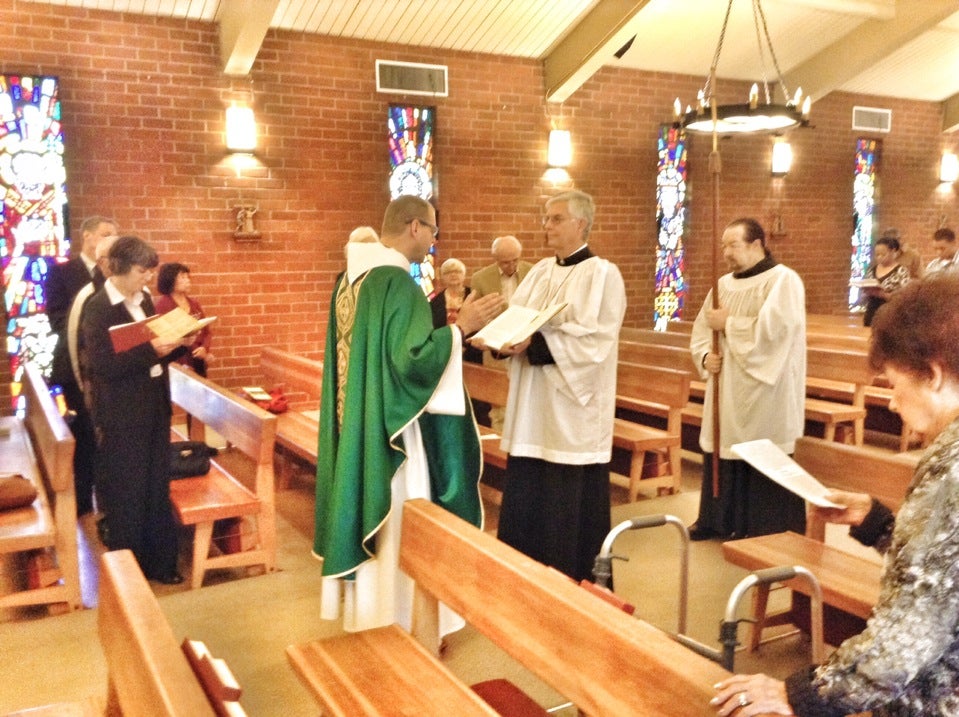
[761, 370]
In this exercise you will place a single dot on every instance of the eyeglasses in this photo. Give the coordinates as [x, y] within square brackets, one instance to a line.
[433, 228]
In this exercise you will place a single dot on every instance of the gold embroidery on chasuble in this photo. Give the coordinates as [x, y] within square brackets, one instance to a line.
[345, 307]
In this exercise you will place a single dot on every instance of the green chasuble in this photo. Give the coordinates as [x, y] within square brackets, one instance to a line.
[396, 360]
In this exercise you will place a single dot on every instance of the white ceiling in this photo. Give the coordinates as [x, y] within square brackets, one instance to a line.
[896, 48]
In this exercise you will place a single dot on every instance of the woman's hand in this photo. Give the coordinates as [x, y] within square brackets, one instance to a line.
[745, 695]
[855, 508]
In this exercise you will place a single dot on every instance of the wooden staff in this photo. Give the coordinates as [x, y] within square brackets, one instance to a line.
[715, 169]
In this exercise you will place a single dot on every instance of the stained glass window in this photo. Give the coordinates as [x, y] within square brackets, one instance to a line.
[410, 137]
[670, 221]
[32, 215]
[864, 208]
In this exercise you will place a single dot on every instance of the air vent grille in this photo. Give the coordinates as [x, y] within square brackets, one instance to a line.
[411, 78]
[871, 119]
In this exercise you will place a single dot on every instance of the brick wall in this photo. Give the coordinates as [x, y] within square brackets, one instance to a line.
[143, 102]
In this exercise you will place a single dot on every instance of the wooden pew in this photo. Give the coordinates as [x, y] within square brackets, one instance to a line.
[40, 447]
[297, 433]
[203, 500]
[148, 672]
[490, 385]
[850, 583]
[593, 653]
[651, 389]
[644, 389]
[300, 377]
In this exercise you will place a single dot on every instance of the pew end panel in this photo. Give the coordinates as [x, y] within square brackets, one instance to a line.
[202, 500]
[41, 448]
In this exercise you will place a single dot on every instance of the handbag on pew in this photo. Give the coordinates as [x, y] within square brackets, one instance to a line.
[16, 491]
[190, 458]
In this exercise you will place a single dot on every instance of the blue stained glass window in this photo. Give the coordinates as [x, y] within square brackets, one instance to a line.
[410, 132]
[33, 223]
[864, 209]
[670, 293]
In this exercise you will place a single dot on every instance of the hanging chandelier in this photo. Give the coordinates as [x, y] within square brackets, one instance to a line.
[751, 116]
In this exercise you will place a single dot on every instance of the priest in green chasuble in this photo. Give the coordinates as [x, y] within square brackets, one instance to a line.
[395, 421]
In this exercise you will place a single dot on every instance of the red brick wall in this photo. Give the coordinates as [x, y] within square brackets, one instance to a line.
[143, 102]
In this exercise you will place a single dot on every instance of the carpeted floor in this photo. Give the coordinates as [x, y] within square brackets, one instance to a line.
[250, 620]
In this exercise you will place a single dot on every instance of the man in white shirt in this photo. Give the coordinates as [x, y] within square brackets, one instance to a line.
[947, 257]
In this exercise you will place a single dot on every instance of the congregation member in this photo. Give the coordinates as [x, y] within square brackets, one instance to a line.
[906, 661]
[445, 304]
[947, 257]
[395, 422]
[761, 370]
[174, 284]
[63, 283]
[130, 405]
[558, 430]
[501, 277]
[888, 271]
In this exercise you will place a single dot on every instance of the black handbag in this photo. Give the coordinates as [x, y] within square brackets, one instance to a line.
[190, 458]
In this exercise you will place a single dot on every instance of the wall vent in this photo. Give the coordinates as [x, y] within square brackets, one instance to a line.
[411, 78]
[871, 119]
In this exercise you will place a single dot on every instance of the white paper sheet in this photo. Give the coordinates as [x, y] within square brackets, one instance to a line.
[769, 459]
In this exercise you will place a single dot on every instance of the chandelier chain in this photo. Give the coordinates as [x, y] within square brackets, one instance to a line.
[707, 86]
[772, 53]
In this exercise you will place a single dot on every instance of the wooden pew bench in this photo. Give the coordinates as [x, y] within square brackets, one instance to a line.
[593, 653]
[149, 674]
[850, 583]
[490, 385]
[651, 390]
[218, 495]
[40, 540]
[297, 431]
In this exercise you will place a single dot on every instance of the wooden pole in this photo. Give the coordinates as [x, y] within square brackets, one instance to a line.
[715, 170]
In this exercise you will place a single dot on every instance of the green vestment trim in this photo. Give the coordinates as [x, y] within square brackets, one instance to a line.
[395, 364]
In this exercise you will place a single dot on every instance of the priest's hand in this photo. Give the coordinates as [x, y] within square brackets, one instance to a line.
[475, 313]
[716, 318]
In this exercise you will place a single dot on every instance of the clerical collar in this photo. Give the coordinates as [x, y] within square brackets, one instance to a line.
[759, 267]
[581, 254]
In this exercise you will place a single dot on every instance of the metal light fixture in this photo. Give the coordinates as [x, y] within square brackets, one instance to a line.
[559, 152]
[240, 129]
[751, 116]
[948, 167]
[782, 157]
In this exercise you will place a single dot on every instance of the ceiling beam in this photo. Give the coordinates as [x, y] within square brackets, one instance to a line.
[869, 43]
[243, 25]
[588, 46]
[950, 114]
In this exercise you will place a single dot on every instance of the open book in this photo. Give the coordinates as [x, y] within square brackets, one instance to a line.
[515, 325]
[864, 283]
[769, 459]
[170, 327]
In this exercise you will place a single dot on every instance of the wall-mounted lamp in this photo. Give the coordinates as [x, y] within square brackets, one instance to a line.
[949, 167]
[782, 157]
[240, 129]
[560, 150]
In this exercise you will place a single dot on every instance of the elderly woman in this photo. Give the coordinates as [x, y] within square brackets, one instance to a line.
[174, 284]
[446, 304]
[906, 661]
[130, 395]
[888, 272]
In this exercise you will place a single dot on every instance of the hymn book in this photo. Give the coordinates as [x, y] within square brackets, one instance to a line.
[515, 325]
[770, 460]
[171, 326]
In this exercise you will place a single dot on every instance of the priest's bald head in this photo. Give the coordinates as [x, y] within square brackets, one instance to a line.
[409, 226]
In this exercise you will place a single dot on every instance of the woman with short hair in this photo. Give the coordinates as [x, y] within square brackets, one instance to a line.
[906, 661]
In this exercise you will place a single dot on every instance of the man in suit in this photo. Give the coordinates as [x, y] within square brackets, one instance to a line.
[501, 277]
[64, 282]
